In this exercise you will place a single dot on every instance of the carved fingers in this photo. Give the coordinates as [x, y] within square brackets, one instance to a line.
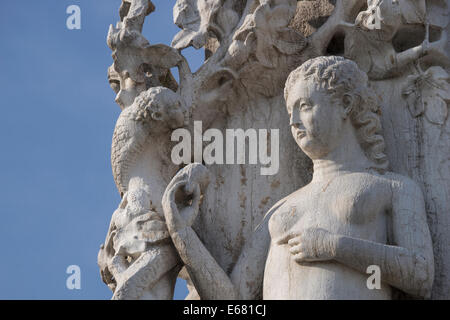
[189, 213]
[182, 198]
[300, 250]
[181, 202]
[174, 220]
[313, 244]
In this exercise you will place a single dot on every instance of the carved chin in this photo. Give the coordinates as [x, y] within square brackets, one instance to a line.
[312, 148]
[307, 146]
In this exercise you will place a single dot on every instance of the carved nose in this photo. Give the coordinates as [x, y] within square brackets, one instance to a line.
[295, 120]
[118, 99]
[121, 99]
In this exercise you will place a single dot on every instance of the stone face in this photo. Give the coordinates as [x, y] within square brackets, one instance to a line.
[226, 223]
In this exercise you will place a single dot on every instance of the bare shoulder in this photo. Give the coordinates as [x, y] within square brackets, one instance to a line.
[406, 193]
[401, 183]
[289, 198]
[276, 206]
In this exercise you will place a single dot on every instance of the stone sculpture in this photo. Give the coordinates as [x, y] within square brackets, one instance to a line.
[251, 47]
[138, 256]
[324, 236]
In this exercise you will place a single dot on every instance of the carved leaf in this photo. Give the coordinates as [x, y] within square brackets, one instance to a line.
[437, 13]
[413, 98]
[193, 17]
[436, 110]
[265, 53]
[280, 16]
[227, 18]
[131, 59]
[429, 93]
[289, 41]
[436, 95]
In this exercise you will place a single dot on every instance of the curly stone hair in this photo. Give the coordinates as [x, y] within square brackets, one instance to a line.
[341, 76]
[150, 103]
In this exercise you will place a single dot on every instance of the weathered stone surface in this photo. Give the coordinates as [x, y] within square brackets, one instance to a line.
[311, 15]
[251, 48]
[325, 235]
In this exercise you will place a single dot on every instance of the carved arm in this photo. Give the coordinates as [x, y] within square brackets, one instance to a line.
[407, 263]
[210, 280]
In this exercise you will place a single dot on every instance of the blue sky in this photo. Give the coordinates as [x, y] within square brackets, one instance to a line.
[58, 116]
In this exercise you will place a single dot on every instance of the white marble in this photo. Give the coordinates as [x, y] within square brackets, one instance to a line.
[365, 181]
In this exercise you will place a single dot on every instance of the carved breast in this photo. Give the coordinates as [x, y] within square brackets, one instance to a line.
[358, 198]
[353, 204]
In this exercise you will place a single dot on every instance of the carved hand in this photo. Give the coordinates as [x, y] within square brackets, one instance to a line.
[181, 205]
[181, 200]
[313, 244]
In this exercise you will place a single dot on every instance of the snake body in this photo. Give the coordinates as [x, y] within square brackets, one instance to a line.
[135, 126]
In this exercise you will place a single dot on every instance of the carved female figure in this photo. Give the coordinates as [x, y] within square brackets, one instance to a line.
[318, 242]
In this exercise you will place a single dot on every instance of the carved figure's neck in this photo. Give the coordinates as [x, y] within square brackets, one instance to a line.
[347, 157]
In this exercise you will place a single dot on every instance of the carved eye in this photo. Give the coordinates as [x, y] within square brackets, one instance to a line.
[115, 85]
[157, 115]
[305, 107]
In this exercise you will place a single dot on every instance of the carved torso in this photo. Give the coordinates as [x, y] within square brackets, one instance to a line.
[353, 204]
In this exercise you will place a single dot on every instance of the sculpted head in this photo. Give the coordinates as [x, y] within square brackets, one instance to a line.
[160, 104]
[328, 97]
[125, 88]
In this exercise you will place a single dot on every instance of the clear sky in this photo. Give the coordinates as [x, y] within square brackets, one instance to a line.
[58, 115]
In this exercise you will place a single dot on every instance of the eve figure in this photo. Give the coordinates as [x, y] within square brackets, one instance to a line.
[318, 242]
